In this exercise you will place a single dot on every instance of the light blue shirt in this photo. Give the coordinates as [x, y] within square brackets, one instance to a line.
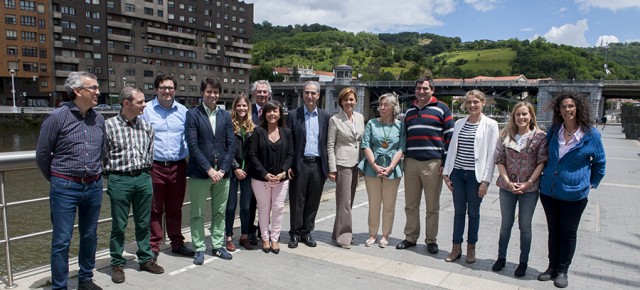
[313, 132]
[169, 143]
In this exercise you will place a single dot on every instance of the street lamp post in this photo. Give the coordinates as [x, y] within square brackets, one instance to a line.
[124, 82]
[14, 109]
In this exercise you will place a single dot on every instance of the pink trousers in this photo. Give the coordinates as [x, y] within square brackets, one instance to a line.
[270, 198]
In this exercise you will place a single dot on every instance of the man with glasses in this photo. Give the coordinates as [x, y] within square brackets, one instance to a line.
[69, 155]
[309, 125]
[429, 126]
[169, 165]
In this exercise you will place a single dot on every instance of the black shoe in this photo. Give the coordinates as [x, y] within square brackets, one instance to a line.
[561, 280]
[498, 265]
[117, 274]
[88, 285]
[151, 267]
[406, 244]
[521, 270]
[184, 251]
[293, 242]
[309, 241]
[547, 275]
[432, 248]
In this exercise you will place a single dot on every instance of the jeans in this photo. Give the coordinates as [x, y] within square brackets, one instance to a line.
[65, 197]
[245, 202]
[465, 195]
[199, 190]
[526, 206]
[563, 219]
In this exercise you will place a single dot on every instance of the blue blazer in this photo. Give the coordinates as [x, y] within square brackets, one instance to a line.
[254, 114]
[205, 149]
[295, 123]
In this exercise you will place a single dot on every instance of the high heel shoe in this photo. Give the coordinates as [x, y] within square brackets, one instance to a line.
[266, 247]
[276, 249]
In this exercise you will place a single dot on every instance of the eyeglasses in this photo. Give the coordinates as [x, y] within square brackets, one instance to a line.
[92, 89]
[168, 89]
[423, 88]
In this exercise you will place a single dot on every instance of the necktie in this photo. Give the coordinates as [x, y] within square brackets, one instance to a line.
[260, 112]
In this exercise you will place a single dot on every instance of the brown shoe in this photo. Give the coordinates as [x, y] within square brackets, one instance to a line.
[246, 244]
[117, 274]
[471, 253]
[151, 267]
[230, 246]
[455, 254]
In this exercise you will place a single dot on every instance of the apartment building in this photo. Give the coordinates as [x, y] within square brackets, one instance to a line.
[26, 60]
[129, 42]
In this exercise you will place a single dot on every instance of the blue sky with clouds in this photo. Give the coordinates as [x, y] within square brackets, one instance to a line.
[580, 23]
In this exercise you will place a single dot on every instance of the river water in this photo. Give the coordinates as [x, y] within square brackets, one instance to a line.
[30, 218]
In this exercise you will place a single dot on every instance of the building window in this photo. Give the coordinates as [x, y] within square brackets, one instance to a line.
[148, 11]
[28, 5]
[171, 16]
[111, 5]
[43, 67]
[191, 9]
[29, 51]
[97, 56]
[130, 72]
[27, 20]
[148, 73]
[42, 38]
[42, 23]
[129, 8]
[160, 13]
[171, 4]
[68, 25]
[110, 44]
[112, 84]
[129, 46]
[44, 83]
[12, 50]
[28, 36]
[10, 4]
[10, 19]
[67, 10]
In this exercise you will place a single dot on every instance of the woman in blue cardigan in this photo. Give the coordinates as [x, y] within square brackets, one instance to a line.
[576, 164]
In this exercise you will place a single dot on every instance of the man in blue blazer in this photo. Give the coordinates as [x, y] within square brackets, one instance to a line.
[309, 125]
[211, 153]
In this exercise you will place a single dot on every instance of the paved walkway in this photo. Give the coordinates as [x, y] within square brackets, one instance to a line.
[607, 257]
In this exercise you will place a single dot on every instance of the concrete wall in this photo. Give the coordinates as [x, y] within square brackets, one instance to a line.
[631, 121]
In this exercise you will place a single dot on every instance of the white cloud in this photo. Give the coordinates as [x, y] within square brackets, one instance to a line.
[525, 29]
[562, 11]
[604, 40]
[356, 15]
[569, 34]
[482, 5]
[612, 5]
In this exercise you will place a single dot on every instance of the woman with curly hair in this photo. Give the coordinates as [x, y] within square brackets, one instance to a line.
[520, 155]
[576, 164]
[243, 129]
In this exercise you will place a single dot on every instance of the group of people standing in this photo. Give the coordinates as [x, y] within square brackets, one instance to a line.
[253, 156]
[558, 167]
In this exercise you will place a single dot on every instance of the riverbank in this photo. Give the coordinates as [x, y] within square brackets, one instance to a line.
[21, 120]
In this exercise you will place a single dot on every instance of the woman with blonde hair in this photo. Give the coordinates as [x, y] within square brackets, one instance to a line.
[521, 154]
[384, 143]
[243, 129]
[468, 171]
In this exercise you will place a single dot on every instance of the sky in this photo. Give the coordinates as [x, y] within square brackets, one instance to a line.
[581, 23]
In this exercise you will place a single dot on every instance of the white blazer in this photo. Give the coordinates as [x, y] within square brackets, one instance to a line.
[484, 147]
[343, 143]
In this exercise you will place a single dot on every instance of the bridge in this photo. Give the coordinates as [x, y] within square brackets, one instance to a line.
[507, 88]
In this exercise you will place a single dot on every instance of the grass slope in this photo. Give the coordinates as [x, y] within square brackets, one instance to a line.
[488, 59]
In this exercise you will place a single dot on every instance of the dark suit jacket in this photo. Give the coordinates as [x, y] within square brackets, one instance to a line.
[295, 122]
[254, 114]
[259, 153]
[205, 149]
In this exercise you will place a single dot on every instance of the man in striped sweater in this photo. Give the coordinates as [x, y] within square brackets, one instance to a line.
[429, 128]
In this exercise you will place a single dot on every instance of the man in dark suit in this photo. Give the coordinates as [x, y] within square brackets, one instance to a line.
[261, 91]
[309, 125]
[209, 134]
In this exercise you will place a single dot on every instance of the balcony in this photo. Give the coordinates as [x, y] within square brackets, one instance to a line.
[212, 51]
[240, 65]
[170, 33]
[66, 59]
[57, 29]
[243, 45]
[112, 23]
[57, 44]
[212, 40]
[237, 54]
[171, 45]
[57, 15]
[119, 37]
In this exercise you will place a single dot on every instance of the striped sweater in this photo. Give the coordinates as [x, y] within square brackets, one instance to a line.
[429, 130]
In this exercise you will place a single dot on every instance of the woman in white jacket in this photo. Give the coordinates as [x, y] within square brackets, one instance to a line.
[468, 171]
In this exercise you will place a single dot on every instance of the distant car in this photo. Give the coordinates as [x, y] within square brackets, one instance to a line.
[103, 107]
[116, 107]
